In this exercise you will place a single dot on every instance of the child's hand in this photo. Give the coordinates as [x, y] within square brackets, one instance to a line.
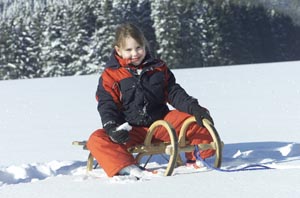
[200, 113]
[118, 134]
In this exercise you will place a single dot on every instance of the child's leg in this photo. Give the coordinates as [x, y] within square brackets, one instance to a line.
[194, 134]
[112, 157]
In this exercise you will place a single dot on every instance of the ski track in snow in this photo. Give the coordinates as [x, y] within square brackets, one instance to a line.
[272, 154]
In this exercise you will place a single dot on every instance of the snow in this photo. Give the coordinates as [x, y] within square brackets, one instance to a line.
[255, 107]
[126, 126]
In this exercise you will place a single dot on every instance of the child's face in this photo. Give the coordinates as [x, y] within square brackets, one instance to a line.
[132, 51]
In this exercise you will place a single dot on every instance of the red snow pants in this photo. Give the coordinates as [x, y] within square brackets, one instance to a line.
[112, 157]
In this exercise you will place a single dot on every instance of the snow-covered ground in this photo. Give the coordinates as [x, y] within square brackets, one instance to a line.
[256, 109]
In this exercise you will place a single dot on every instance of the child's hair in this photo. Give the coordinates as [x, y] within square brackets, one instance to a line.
[130, 30]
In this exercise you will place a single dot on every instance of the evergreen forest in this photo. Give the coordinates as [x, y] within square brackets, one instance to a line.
[49, 38]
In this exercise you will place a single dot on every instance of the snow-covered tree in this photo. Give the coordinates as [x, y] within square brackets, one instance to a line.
[103, 37]
[167, 31]
[55, 52]
[20, 50]
[202, 38]
[7, 49]
[46, 38]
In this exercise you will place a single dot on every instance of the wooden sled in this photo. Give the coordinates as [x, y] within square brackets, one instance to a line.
[172, 148]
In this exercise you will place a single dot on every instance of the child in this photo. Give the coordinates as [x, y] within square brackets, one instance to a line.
[135, 88]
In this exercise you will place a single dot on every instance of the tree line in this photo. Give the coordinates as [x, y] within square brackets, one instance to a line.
[74, 37]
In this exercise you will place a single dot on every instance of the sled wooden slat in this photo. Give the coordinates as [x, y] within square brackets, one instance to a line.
[153, 148]
[173, 144]
[80, 143]
[216, 145]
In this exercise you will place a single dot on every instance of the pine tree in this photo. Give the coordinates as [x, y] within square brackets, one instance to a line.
[55, 52]
[145, 22]
[191, 33]
[81, 25]
[284, 37]
[21, 51]
[101, 41]
[209, 38]
[231, 31]
[35, 29]
[6, 50]
[167, 30]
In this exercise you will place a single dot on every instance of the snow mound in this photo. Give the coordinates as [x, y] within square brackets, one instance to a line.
[26, 173]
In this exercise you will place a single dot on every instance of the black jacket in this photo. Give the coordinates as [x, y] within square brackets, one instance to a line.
[139, 96]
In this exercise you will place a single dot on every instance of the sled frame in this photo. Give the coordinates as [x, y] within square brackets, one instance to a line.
[172, 148]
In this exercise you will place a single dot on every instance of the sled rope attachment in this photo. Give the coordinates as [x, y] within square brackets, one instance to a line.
[246, 168]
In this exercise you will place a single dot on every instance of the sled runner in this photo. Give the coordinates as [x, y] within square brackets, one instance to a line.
[172, 148]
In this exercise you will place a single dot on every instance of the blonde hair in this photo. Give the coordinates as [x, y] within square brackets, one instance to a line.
[129, 30]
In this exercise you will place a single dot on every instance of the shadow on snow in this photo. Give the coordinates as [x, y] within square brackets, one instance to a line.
[234, 155]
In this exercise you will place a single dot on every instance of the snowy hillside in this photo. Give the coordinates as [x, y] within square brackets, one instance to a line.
[256, 109]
